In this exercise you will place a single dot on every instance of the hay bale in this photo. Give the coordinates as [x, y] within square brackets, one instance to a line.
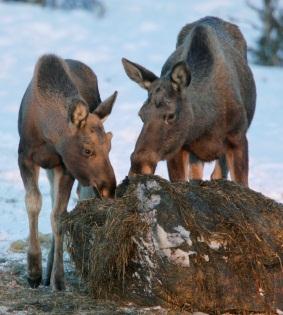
[204, 246]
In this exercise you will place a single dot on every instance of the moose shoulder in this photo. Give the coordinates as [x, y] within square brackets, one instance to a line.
[61, 129]
[202, 104]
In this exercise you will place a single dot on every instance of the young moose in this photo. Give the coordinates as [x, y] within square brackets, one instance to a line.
[60, 127]
[203, 103]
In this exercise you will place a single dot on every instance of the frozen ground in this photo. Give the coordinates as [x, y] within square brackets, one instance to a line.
[145, 32]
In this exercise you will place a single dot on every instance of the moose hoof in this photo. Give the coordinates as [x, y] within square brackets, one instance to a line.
[58, 284]
[34, 282]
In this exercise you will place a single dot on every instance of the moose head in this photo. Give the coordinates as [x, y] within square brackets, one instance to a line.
[164, 115]
[85, 151]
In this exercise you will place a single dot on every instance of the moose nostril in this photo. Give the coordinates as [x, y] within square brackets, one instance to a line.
[107, 189]
[105, 192]
[171, 116]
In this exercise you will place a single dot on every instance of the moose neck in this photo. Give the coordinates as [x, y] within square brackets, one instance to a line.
[201, 110]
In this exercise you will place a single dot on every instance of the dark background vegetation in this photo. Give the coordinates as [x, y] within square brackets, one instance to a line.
[91, 5]
[269, 44]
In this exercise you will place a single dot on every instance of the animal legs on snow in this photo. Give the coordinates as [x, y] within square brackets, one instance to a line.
[62, 186]
[29, 173]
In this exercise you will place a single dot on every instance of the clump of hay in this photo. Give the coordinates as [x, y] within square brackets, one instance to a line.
[201, 246]
[100, 240]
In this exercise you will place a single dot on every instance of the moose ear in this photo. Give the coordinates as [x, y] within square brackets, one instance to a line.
[139, 74]
[78, 112]
[180, 76]
[104, 109]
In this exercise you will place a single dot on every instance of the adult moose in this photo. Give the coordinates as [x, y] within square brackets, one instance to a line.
[60, 127]
[203, 103]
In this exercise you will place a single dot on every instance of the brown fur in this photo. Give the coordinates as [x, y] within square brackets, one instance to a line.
[203, 102]
[60, 127]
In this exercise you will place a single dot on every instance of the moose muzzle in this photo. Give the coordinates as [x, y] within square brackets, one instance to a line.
[143, 163]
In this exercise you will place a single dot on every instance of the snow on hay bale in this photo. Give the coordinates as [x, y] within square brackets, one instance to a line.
[201, 246]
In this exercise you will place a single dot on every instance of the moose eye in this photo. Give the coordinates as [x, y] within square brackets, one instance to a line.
[169, 118]
[87, 152]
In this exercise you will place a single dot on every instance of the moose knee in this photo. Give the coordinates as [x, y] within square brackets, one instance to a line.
[33, 201]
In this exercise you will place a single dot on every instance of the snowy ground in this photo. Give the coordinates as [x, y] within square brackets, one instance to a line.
[145, 32]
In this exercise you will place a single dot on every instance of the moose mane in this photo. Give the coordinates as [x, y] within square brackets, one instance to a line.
[234, 38]
[52, 79]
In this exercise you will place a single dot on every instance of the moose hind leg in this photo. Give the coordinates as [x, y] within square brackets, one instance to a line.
[62, 184]
[178, 166]
[29, 173]
[195, 168]
[220, 169]
[238, 161]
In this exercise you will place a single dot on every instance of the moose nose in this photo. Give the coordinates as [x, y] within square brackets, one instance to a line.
[105, 193]
[107, 188]
[143, 163]
[108, 192]
[143, 169]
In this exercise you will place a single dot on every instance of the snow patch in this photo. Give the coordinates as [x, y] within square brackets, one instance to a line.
[261, 291]
[178, 256]
[136, 275]
[146, 265]
[3, 236]
[153, 184]
[148, 203]
[167, 243]
[145, 253]
[213, 244]
[166, 240]
[185, 234]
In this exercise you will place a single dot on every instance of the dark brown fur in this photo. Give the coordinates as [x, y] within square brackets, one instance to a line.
[60, 127]
[202, 104]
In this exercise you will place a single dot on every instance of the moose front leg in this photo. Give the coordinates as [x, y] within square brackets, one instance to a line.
[238, 161]
[178, 166]
[62, 186]
[50, 258]
[29, 173]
